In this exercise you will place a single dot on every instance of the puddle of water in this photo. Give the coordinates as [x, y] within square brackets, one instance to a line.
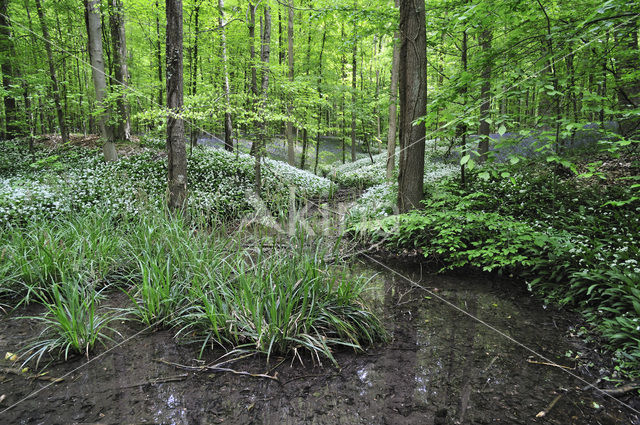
[441, 367]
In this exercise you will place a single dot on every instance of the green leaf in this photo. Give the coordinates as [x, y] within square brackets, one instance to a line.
[465, 159]
[502, 130]
[484, 175]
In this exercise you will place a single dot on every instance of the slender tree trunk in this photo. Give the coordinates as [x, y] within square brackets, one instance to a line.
[64, 132]
[252, 50]
[94, 26]
[413, 103]
[305, 142]
[194, 67]
[465, 89]
[291, 153]
[324, 38]
[354, 73]
[9, 75]
[485, 95]
[228, 126]
[265, 51]
[393, 105]
[159, 56]
[554, 74]
[122, 129]
[343, 75]
[176, 149]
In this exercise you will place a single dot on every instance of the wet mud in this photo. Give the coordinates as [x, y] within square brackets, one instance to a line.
[440, 367]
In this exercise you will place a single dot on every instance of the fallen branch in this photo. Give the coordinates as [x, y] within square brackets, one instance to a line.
[218, 368]
[160, 380]
[38, 376]
[550, 364]
[550, 406]
[632, 386]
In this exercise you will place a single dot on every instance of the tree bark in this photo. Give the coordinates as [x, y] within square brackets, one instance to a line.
[228, 126]
[9, 75]
[122, 130]
[159, 56]
[485, 96]
[176, 149]
[94, 27]
[265, 52]
[194, 67]
[354, 73]
[393, 106]
[463, 125]
[252, 50]
[324, 38]
[291, 153]
[413, 103]
[64, 132]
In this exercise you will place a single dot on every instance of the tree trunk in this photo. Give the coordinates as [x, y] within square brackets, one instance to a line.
[64, 132]
[265, 51]
[252, 50]
[413, 103]
[305, 141]
[176, 149]
[94, 28]
[354, 73]
[228, 126]
[9, 75]
[291, 153]
[343, 76]
[485, 96]
[194, 68]
[122, 130]
[463, 125]
[324, 38]
[159, 56]
[393, 106]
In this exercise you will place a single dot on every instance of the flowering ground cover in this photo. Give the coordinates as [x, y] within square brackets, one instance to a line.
[53, 182]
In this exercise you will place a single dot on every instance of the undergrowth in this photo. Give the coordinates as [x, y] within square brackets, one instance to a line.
[202, 283]
[575, 241]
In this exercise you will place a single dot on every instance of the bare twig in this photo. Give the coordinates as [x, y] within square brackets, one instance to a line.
[218, 368]
[550, 406]
[160, 380]
[550, 364]
[38, 376]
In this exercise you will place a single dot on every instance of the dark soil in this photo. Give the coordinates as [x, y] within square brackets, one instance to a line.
[440, 367]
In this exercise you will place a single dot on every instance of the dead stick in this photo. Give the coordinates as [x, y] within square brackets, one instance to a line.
[550, 406]
[159, 380]
[550, 364]
[38, 376]
[217, 368]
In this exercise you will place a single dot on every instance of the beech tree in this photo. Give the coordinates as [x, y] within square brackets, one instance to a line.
[64, 132]
[265, 52]
[94, 32]
[9, 75]
[176, 148]
[122, 127]
[413, 103]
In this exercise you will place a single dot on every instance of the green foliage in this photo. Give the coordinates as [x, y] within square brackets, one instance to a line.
[72, 323]
[210, 287]
[569, 237]
[281, 303]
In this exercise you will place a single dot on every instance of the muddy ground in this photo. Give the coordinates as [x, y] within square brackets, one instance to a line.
[440, 367]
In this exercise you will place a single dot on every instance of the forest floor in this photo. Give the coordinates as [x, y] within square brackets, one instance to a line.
[441, 367]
